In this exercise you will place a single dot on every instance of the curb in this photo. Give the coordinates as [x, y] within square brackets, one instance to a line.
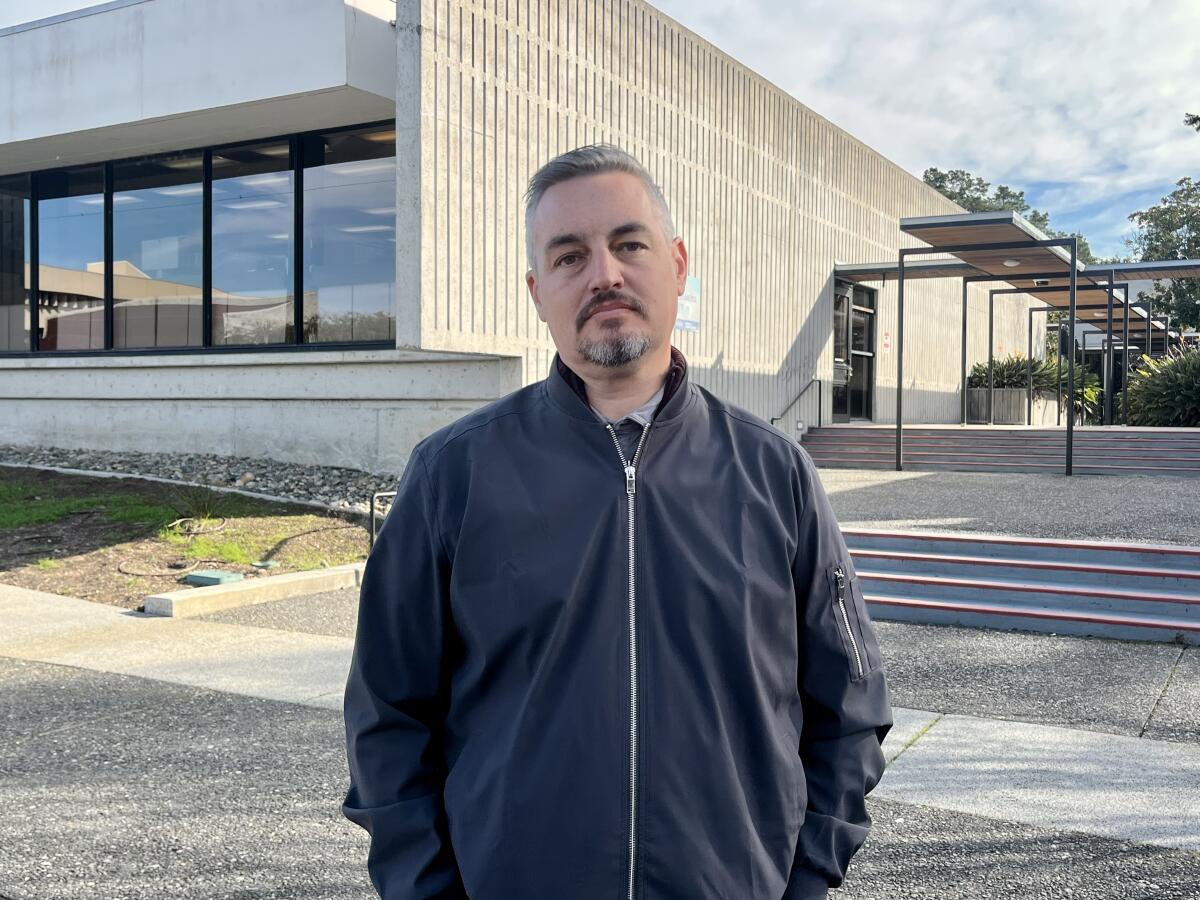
[199, 601]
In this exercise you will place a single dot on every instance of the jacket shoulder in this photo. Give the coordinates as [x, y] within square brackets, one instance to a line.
[747, 426]
[476, 423]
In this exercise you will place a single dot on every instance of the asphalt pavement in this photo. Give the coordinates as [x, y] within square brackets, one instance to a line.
[204, 759]
[1154, 509]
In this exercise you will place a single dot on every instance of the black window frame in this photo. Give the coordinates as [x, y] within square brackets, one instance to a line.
[296, 344]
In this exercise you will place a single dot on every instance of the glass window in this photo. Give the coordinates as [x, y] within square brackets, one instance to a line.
[350, 235]
[252, 269]
[157, 253]
[841, 310]
[14, 263]
[71, 259]
[861, 337]
[864, 297]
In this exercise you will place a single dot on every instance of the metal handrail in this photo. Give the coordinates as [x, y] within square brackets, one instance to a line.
[820, 400]
[376, 507]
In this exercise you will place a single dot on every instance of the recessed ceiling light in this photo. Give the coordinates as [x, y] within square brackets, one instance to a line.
[1012, 263]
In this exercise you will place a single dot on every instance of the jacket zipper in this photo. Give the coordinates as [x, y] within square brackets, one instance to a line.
[840, 574]
[630, 467]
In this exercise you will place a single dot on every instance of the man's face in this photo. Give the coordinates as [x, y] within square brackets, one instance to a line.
[606, 278]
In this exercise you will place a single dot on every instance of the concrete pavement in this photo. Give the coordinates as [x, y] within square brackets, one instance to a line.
[221, 761]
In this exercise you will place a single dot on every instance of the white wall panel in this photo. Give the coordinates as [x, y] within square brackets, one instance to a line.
[767, 194]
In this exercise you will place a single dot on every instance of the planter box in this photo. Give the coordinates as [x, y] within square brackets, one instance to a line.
[1009, 407]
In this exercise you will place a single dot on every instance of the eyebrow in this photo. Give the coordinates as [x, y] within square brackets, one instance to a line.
[619, 231]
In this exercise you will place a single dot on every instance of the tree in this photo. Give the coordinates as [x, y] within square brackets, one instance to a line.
[1171, 230]
[972, 193]
[1191, 120]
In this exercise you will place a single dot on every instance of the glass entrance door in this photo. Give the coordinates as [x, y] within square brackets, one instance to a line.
[853, 352]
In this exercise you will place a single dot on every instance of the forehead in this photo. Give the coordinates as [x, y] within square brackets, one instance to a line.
[592, 204]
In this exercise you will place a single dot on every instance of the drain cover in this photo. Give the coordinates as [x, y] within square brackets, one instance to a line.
[207, 577]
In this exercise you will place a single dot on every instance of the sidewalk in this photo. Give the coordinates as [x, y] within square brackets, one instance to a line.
[119, 786]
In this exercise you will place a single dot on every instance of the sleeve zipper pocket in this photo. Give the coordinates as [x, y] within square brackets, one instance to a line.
[840, 575]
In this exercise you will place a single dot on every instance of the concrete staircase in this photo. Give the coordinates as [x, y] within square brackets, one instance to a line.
[1131, 591]
[1113, 450]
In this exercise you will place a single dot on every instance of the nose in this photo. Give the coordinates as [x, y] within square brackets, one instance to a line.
[605, 272]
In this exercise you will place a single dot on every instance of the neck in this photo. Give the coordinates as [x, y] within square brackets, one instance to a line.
[616, 393]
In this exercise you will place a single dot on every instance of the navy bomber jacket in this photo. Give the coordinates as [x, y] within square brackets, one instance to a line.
[588, 671]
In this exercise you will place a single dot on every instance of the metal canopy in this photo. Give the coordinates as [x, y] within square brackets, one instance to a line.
[1003, 246]
[1159, 268]
[861, 273]
[1000, 243]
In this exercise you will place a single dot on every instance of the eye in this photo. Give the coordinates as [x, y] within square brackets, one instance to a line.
[633, 245]
[567, 259]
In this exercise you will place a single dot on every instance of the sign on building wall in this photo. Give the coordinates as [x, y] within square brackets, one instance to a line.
[687, 317]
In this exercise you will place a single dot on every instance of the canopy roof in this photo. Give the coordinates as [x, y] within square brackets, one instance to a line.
[1159, 268]
[924, 268]
[1017, 260]
[1015, 253]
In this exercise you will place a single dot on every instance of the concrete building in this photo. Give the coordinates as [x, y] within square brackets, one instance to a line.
[292, 228]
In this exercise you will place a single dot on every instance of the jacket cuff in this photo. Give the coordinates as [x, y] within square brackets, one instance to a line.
[805, 884]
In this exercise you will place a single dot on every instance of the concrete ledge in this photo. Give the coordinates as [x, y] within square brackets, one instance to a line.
[198, 601]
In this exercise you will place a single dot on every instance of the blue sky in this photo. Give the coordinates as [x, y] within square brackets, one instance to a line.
[1078, 103]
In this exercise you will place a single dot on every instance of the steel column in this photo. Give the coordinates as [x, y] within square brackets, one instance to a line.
[1108, 358]
[1029, 397]
[1125, 361]
[206, 304]
[34, 267]
[900, 366]
[107, 290]
[1058, 380]
[1149, 330]
[963, 382]
[1071, 366]
[991, 344]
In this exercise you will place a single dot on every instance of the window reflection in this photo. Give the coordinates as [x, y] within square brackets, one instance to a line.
[14, 263]
[349, 235]
[71, 259]
[157, 252]
[158, 249]
[252, 294]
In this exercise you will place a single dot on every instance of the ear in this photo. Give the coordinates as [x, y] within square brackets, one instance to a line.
[531, 284]
[679, 256]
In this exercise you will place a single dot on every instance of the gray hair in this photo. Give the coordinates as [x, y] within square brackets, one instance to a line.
[594, 159]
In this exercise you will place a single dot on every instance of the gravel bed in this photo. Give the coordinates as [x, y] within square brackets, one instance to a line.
[338, 488]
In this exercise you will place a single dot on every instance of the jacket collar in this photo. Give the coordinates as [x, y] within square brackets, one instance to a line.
[569, 393]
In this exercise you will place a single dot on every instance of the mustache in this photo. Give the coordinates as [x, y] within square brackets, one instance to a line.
[607, 297]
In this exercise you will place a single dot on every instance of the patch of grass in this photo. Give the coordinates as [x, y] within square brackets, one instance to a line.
[18, 506]
[135, 511]
[23, 504]
[212, 547]
[47, 563]
[315, 559]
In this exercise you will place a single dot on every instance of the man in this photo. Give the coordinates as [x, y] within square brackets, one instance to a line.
[611, 643]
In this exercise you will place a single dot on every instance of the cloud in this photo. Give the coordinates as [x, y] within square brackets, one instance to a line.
[1089, 97]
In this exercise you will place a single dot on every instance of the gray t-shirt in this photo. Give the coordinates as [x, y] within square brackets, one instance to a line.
[629, 428]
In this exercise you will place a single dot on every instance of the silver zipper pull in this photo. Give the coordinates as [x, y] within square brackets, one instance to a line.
[630, 480]
[840, 575]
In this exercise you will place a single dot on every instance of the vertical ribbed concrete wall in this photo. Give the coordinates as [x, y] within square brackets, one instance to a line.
[767, 195]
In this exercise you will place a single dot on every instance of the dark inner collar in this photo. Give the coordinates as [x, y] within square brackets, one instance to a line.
[675, 376]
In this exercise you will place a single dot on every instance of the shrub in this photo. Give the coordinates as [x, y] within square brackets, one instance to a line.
[1165, 392]
[1013, 372]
